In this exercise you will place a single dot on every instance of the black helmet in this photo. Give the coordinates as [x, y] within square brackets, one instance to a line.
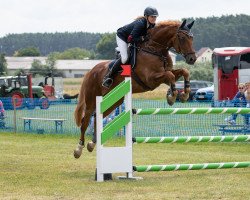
[150, 11]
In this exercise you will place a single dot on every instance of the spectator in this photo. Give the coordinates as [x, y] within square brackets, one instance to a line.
[2, 115]
[247, 96]
[239, 100]
[2, 111]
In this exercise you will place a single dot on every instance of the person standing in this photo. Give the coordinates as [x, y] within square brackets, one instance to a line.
[2, 115]
[247, 96]
[239, 100]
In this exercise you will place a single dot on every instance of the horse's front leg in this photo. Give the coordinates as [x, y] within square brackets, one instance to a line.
[168, 78]
[185, 73]
[172, 95]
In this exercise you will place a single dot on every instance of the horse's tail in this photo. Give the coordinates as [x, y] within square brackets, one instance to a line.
[80, 108]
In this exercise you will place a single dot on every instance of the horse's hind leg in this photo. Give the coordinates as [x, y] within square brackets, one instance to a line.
[84, 126]
[185, 73]
[91, 144]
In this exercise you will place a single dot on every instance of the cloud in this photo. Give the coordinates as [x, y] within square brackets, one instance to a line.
[102, 16]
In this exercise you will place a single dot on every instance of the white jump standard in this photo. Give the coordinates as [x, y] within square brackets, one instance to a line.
[119, 159]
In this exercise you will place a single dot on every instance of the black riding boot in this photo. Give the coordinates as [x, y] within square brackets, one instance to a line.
[109, 77]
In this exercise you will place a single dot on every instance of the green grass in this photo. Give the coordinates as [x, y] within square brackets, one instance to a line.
[42, 167]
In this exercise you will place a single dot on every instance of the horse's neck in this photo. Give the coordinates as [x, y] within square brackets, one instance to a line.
[164, 37]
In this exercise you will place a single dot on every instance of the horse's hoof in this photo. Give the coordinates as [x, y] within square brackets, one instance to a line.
[76, 154]
[171, 100]
[78, 151]
[183, 97]
[91, 146]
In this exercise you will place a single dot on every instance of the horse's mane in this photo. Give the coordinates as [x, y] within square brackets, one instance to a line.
[167, 23]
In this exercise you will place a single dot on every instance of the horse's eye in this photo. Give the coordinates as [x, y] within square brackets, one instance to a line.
[182, 39]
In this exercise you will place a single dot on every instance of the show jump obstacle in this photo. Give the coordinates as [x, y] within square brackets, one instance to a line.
[119, 159]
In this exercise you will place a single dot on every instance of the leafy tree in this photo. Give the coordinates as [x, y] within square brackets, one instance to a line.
[37, 68]
[198, 71]
[105, 48]
[47, 69]
[29, 51]
[3, 65]
[49, 42]
[73, 54]
[50, 68]
[20, 72]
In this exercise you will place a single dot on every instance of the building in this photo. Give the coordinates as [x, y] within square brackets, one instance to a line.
[70, 68]
[204, 55]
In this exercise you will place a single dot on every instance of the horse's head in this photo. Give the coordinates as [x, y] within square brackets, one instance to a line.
[168, 34]
[183, 42]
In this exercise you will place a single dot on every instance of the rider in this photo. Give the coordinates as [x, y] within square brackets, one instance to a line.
[134, 32]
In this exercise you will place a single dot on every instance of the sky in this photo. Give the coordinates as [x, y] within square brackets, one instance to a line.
[33, 16]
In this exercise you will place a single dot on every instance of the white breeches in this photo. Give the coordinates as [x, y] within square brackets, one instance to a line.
[123, 47]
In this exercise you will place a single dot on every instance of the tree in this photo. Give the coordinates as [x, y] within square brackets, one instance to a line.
[3, 65]
[47, 69]
[50, 68]
[73, 54]
[198, 71]
[29, 51]
[105, 48]
[20, 72]
[37, 68]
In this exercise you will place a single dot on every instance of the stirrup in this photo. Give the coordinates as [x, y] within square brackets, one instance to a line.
[107, 82]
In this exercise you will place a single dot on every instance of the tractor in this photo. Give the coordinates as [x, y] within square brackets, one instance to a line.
[22, 93]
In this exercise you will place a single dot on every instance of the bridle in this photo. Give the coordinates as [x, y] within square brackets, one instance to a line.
[188, 33]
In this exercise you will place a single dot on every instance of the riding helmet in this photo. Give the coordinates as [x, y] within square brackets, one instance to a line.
[151, 11]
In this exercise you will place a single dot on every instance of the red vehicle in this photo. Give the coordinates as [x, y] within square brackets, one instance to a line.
[231, 66]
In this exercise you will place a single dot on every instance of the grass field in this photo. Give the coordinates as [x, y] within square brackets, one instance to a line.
[36, 166]
[72, 87]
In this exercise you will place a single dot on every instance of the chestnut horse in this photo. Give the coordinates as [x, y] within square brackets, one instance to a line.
[153, 67]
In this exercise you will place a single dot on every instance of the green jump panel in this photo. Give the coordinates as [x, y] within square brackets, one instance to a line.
[114, 126]
[166, 111]
[189, 139]
[115, 95]
[175, 167]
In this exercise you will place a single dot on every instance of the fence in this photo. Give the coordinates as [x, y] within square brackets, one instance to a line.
[153, 125]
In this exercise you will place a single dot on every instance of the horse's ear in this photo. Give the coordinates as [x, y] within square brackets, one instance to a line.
[183, 23]
[190, 25]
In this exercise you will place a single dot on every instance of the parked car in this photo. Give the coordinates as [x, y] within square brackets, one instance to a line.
[206, 93]
[194, 85]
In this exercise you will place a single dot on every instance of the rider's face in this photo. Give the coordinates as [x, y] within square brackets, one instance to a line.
[152, 19]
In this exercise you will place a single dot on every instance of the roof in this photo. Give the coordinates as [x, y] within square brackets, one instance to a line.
[76, 64]
[227, 51]
[202, 50]
[22, 62]
[26, 62]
